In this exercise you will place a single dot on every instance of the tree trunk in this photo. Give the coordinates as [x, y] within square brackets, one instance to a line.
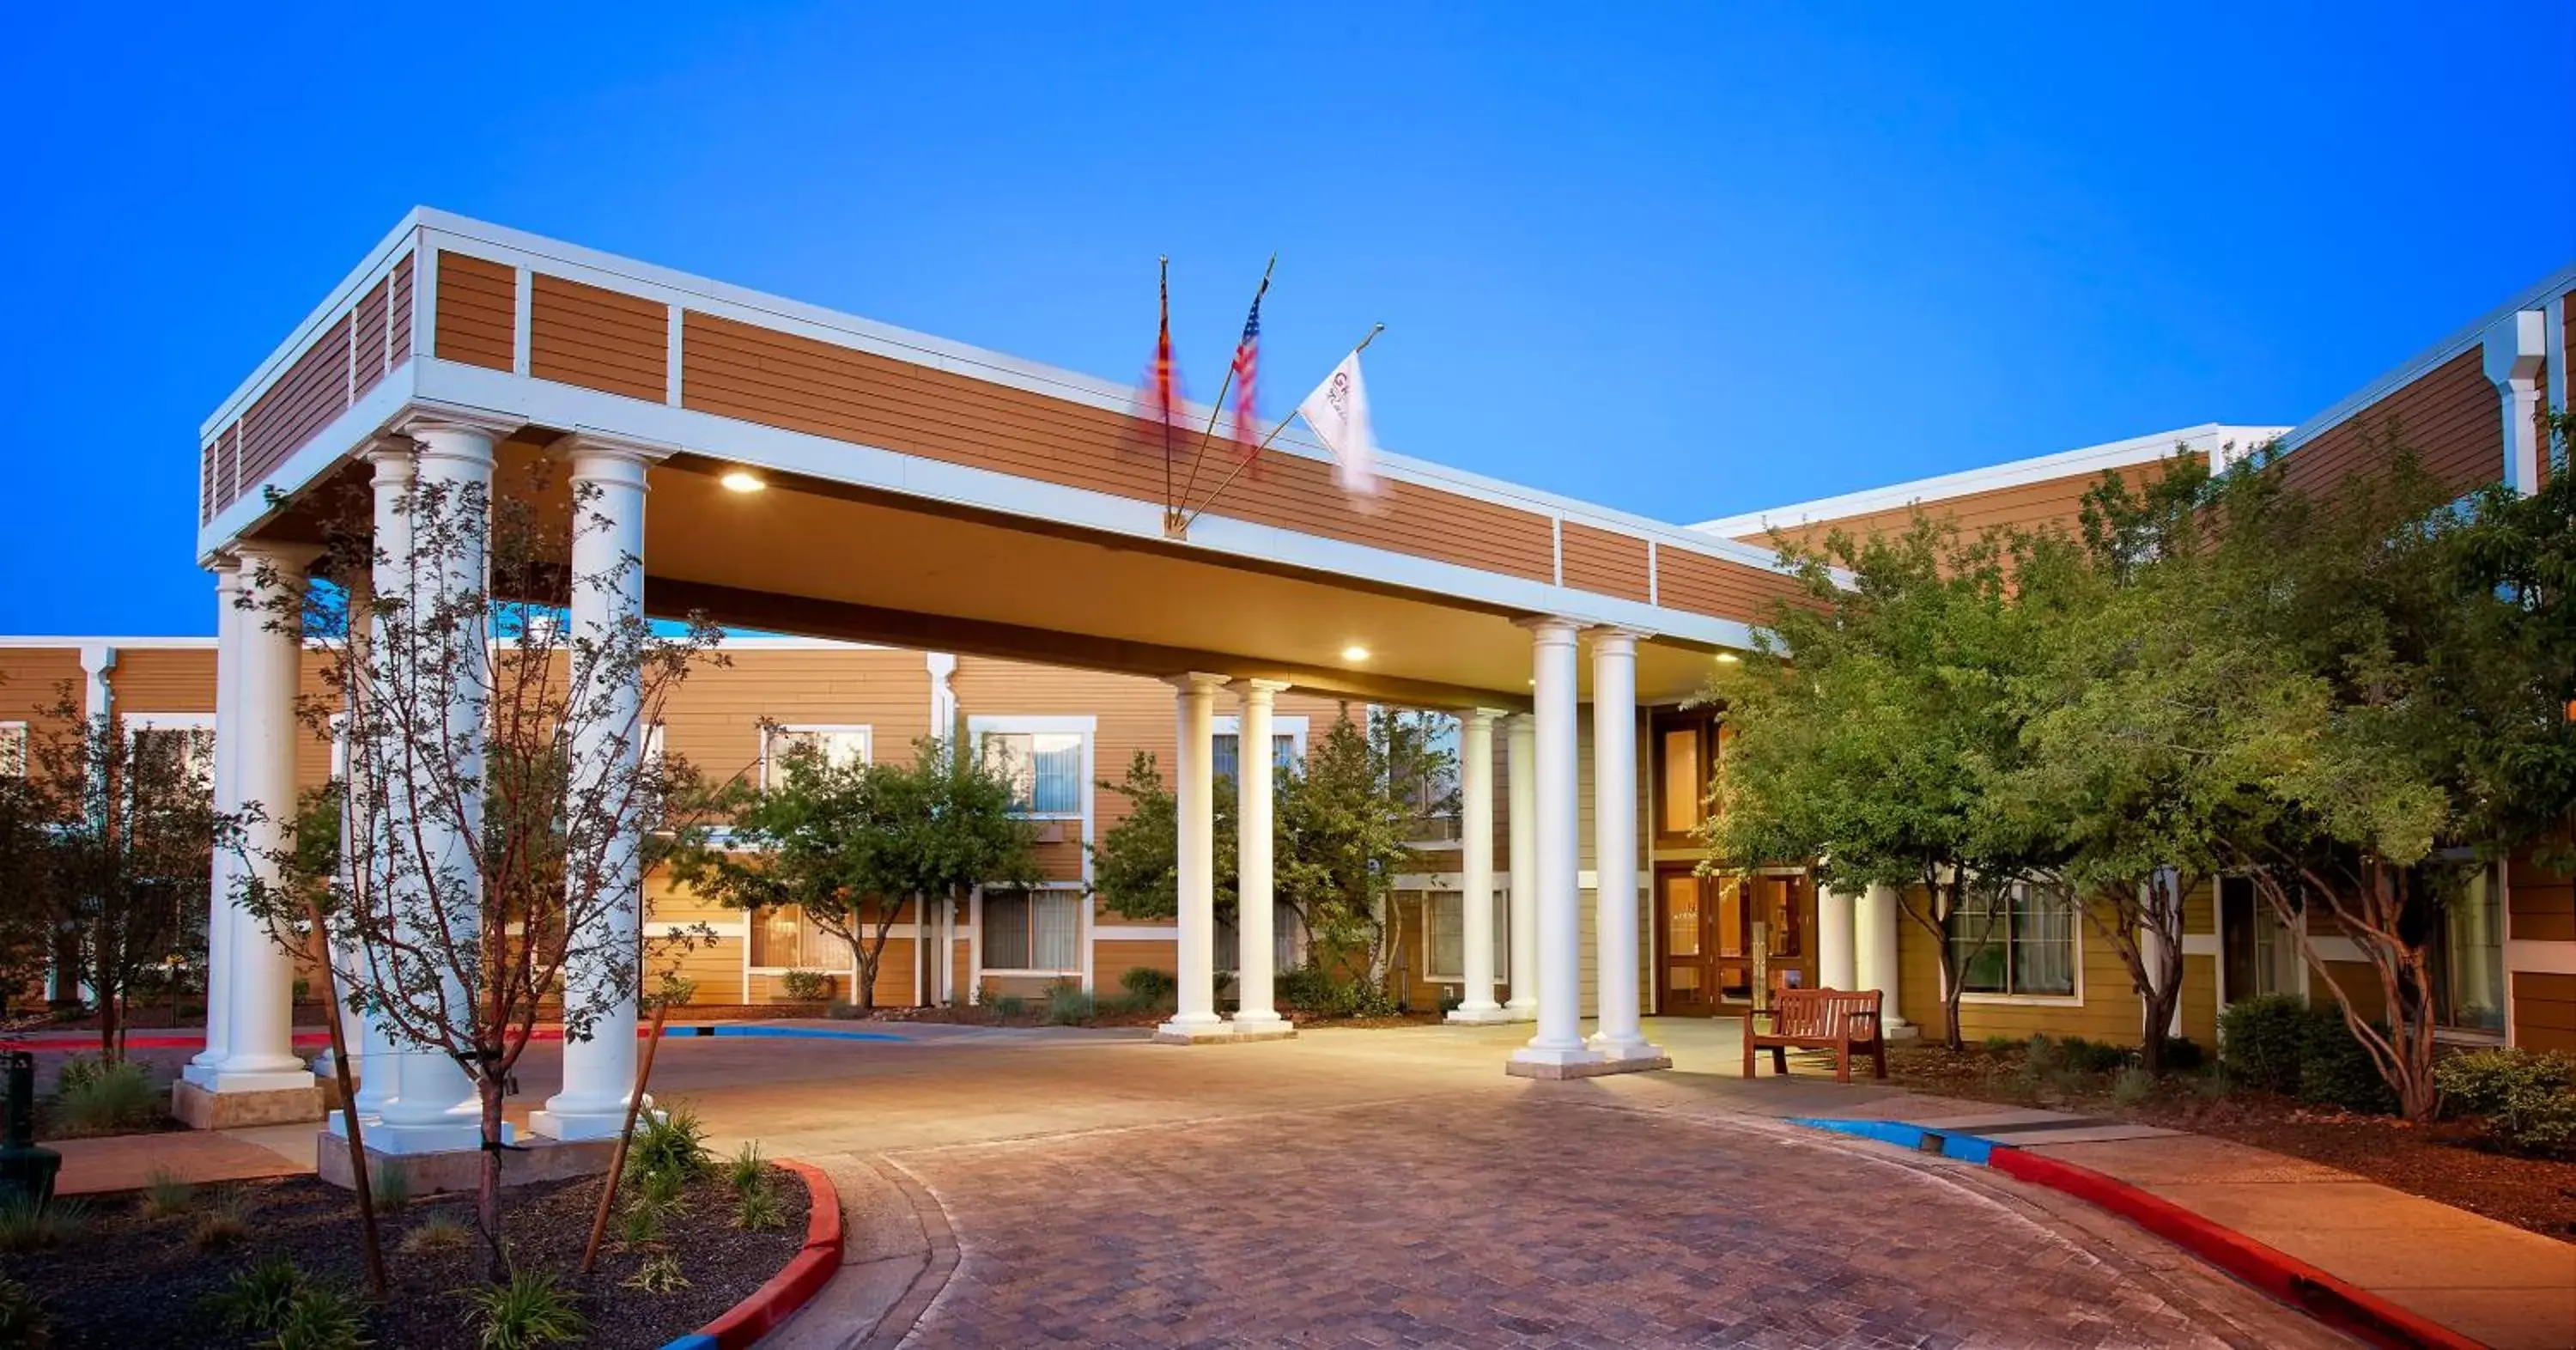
[864, 998]
[487, 1198]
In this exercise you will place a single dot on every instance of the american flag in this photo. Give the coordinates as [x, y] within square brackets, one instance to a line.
[1247, 365]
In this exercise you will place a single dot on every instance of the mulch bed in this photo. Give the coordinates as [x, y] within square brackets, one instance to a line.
[132, 1280]
[2447, 1161]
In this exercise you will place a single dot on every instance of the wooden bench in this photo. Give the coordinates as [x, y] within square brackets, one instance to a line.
[1841, 1020]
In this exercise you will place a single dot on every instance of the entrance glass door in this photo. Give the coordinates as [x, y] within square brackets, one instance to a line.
[1684, 972]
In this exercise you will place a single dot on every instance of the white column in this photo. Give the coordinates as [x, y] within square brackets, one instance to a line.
[1476, 867]
[259, 1007]
[1520, 766]
[1837, 964]
[607, 612]
[1875, 950]
[1558, 1044]
[1194, 1018]
[219, 910]
[434, 1107]
[2516, 345]
[1255, 931]
[1614, 846]
[381, 1053]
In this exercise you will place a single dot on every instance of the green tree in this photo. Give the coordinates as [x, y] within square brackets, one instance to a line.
[1136, 866]
[1876, 712]
[1346, 824]
[851, 844]
[2438, 627]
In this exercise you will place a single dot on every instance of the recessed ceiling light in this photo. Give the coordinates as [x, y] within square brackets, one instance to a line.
[738, 481]
[1355, 652]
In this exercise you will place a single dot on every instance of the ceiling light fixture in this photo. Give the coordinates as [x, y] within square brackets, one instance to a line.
[1355, 652]
[739, 481]
[1728, 658]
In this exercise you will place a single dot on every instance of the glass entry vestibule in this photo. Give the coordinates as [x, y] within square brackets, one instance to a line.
[1720, 939]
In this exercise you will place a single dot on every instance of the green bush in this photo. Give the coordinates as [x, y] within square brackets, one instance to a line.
[841, 1010]
[2040, 1055]
[105, 1098]
[806, 986]
[2335, 1069]
[1998, 1044]
[255, 1300]
[759, 1209]
[2184, 1055]
[1149, 986]
[747, 1169]
[22, 1317]
[2260, 1042]
[1315, 990]
[1068, 1006]
[2085, 1056]
[669, 1143]
[320, 1318]
[2526, 1097]
[26, 1224]
[529, 1311]
[2133, 1086]
[1007, 1005]
[224, 1221]
[660, 1274]
[165, 1196]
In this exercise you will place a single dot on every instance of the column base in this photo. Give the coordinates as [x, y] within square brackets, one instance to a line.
[1262, 1027]
[1472, 1015]
[579, 1126]
[1620, 1050]
[1516, 1011]
[234, 1101]
[1178, 1032]
[1592, 1066]
[464, 1135]
[461, 1169]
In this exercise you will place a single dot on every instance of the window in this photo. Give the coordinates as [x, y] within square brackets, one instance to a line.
[1287, 942]
[1226, 759]
[1045, 769]
[2468, 966]
[1684, 762]
[1033, 930]
[13, 749]
[784, 939]
[186, 739]
[2016, 944]
[1444, 950]
[2258, 955]
[840, 747]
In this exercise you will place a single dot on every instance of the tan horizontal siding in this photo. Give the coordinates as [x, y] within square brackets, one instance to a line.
[313, 390]
[367, 342]
[2025, 506]
[598, 338]
[2542, 902]
[713, 718]
[2449, 416]
[1606, 563]
[2544, 1011]
[399, 312]
[777, 379]
[1720, 587]
[1112, 960]
[2109, 1012]
[476, 315]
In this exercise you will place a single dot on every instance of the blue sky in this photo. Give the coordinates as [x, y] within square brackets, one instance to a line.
[1683, 262]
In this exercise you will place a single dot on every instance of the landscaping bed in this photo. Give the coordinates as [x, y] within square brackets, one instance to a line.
[131, 1278]
[2449, 1161]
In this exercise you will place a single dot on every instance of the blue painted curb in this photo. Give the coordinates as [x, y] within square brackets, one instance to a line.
[1967, 1148]
[758, 1029]
[695, 1340]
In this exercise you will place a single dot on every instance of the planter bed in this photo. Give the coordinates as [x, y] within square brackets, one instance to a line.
[132, 1280]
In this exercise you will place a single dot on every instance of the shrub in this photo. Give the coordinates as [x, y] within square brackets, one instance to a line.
[2083, 1056]
[530, 1310]
[1007, 1005]
[673, 990]
[758, 1210]
[320, 1318]
[26, 1224]
[22, 1317]
[438, 1233]
[2260, 1042]
[1313, 989]
[2134, 1085]
[390, 1187]
[165, 1196]
[841, 1010]
[806, 986]
[105, 1098]
[224, 1221]
[2335, 1069]
[255, 1300]
[660, 1274]
[1068, 1006]
[2184, 1055]
[747, 1169]
[2527, 1097]
[1998, 1044]
[2040, 1054]
[671, 1143]
[1149, 986]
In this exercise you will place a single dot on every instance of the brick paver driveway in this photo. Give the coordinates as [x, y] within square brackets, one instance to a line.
[1394, 1189]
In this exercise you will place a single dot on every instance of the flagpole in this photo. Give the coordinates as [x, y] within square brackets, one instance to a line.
[1217, 409]
[1193, 516]
[1167, 385]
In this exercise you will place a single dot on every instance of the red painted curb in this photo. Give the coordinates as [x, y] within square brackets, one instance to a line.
[794, 1285]
[2343, 1306]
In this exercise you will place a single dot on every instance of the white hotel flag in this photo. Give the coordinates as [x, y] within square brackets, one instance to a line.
[1338, 412]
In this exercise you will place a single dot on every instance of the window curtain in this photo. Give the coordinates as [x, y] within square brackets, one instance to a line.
[1055, 921]
[2043, 944]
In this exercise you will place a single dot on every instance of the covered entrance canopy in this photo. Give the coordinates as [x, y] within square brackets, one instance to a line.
[930, 494]
[813, 473]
